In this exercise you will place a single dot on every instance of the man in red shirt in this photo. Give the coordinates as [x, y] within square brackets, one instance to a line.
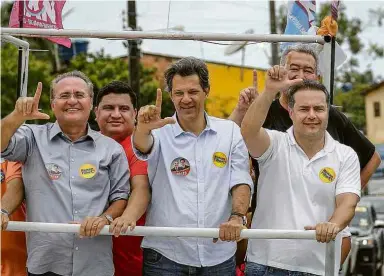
[13, 247]
[115, 114]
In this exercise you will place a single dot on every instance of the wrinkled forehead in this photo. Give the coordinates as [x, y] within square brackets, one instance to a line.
[71, 85]
[300, 59]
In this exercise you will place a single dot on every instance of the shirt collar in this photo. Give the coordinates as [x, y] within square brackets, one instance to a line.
[329, 145]
[177, 130]
[55, 130]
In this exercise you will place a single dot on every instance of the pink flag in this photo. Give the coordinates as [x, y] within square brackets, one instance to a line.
[43, 14]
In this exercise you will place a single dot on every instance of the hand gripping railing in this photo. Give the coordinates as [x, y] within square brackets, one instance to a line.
[184, 232]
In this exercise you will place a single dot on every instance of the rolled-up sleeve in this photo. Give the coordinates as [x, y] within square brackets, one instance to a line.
[239, 161]
[20, 145]
[155, 150]
[119, 176]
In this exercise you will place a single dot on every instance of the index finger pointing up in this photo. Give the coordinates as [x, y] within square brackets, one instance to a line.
[254, 80]
[159, 98]
[39, 88]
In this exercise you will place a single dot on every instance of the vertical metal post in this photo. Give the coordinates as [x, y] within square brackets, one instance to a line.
[333, 55]
[330, 259]
[327, 63]
[134, 51]
[20, 61]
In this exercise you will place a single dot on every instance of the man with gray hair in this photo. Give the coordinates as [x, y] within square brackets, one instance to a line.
[71, 174]
[301, 62]
[307, 179]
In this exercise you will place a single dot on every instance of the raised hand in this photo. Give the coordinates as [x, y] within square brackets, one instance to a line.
[277, 80]
[27, 108]
[149, 117]
[247, 95]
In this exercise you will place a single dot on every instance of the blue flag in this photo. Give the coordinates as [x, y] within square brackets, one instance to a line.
[301, 16]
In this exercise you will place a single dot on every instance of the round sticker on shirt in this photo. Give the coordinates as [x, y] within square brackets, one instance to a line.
[53, 170]
[219, 159]
[180, 166]
[327, 175]
[2, 175]
[87, 171]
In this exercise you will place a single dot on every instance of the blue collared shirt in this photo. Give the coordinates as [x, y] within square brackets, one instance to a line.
[191, 179]
[67, 181]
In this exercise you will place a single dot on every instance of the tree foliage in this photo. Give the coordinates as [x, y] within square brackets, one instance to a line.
[99, 67]
[349, 36]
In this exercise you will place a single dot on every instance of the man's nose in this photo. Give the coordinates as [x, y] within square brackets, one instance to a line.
[186, 98]
[116, 112]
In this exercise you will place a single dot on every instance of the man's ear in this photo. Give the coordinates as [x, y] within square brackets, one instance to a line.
[95, 111]
[206, 92]
[290, 112]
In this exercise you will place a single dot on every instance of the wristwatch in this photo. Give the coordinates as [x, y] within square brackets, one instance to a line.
[243, 217]
[5, 212]
[109, 218]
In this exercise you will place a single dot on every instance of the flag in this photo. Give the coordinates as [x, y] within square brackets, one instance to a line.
[335, 9]
[43, 14]
[301, 16]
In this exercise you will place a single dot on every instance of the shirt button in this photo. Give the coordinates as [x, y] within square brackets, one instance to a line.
[72, 160]
[72, 177]
[74, 193]
[75, 212]
[76, 248]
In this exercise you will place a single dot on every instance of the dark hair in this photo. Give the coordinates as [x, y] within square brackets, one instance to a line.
[116, 87]
[72, 74]
[186, 67]
[306, 84]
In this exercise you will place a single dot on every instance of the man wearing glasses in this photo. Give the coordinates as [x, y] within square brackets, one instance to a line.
[71, 174]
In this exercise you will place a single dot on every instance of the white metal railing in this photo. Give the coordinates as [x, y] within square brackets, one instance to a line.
[184, 232]
[163, 35]
[25, 60]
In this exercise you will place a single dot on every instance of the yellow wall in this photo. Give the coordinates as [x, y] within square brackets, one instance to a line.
[375, 125]
[226, 84]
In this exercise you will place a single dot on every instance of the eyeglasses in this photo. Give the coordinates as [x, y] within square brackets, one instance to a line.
[76, 95]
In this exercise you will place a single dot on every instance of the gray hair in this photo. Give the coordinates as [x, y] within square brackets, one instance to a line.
[72, 74]
[310, 85]
[186, 67]
[300, 48]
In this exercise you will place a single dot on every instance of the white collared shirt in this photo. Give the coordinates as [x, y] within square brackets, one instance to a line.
[294, 192]
[191, 179]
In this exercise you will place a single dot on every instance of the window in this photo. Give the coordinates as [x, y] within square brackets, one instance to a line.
[376, 109]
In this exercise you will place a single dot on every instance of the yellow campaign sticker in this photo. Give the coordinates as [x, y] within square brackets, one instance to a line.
[87, 171]
[361, 209]
[327, 175]
[219, 159]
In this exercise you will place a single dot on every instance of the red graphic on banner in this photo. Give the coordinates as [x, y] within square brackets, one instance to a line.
[42, 14]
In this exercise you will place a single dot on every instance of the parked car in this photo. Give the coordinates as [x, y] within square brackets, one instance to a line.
[367, 253]
[378, 203]
[379, 173]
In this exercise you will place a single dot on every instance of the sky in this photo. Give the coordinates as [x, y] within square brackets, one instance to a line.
[202, 16]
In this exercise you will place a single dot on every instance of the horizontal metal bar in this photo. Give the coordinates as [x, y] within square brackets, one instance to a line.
[163, 35]
[14, 40]
[164, 231]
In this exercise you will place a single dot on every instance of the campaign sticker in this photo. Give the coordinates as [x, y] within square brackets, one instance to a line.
[87, 171]
[219, 159]
[2, 175]
[53, 170]
[327, 175]
[180, 166]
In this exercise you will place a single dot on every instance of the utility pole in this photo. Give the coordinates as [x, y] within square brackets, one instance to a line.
[274, 46]
[133, 51]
